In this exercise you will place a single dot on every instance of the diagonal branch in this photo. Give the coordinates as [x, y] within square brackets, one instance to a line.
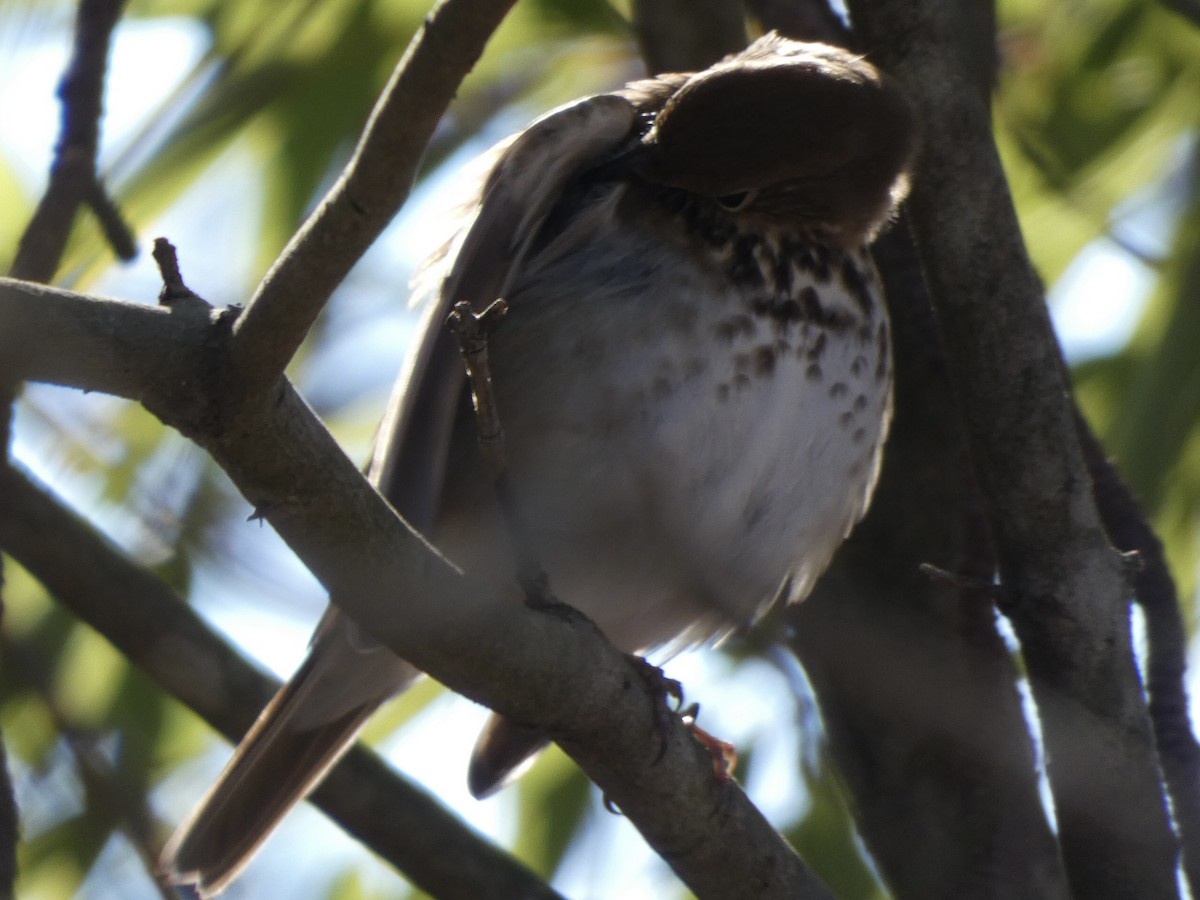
[73, 178]
[1065, 587]
[370, 191]
[559, 675]
[156, 630]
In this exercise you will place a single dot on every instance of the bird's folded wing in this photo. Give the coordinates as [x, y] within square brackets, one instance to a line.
[519, 193]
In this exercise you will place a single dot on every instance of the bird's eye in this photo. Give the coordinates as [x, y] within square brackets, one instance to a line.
[737, 201]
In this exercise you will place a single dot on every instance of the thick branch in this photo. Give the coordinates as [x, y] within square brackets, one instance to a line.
[156, 630]
[1064, 586]
[1166, 640]
[98, 344]
[556, 674]
[372, 188]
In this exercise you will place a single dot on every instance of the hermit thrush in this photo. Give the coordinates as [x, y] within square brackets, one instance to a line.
[694, 382]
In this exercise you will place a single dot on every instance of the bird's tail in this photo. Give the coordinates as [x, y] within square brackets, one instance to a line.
[311, 722]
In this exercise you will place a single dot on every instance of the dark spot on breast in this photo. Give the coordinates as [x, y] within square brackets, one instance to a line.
[838, 389]
[818, 347]
[814, 259]
[813, 372]
[734, 327]
[811, 302]
[859, 435]
[814, 311]
[856, 284]
[694, 367]
[845, 419]
[722, 392]
[781, 271]
[744, 268]
[782, 310]
[741, 381]
[860, 402]
[881, 367]
[858, 365]
[764, 360]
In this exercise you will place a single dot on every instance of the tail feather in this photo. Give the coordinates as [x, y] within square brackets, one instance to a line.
[502, 752]
[308, 726]
[274, 768]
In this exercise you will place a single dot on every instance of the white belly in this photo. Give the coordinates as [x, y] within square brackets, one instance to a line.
[679, 460]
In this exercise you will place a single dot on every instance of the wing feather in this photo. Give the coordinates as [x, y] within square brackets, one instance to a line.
[523, 187]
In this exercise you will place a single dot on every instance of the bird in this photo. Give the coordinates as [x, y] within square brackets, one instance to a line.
[694, 380]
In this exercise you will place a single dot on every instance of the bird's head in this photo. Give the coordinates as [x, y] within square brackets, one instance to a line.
[795, 133]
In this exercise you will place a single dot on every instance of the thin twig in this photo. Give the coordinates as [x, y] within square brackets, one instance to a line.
[73, 181]
[119, 234]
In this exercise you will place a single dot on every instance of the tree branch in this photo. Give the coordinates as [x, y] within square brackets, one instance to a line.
[156, 631]
[374, 185]
[1166, 639]
[73, 179]
[556, 674]
[1064, 586]
[98, 344]
[687, 35]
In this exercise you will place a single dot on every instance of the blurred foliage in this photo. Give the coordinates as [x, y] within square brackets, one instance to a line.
[1096, 118]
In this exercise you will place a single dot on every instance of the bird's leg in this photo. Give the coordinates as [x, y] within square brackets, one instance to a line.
[472, 330]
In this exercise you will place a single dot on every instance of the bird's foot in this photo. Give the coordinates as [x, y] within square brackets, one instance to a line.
[724, 754]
